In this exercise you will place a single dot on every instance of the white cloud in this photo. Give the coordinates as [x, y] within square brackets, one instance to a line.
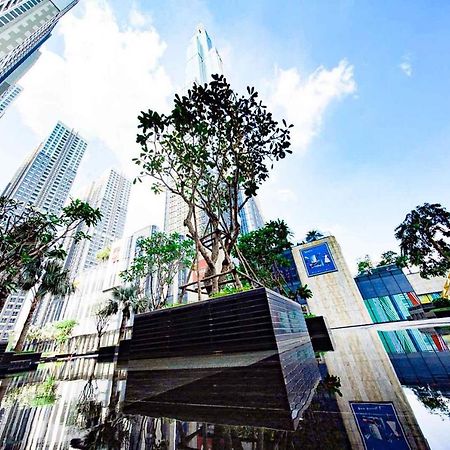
[286, 195]
[305, 100]
[138, 19]
[104, 77]
[406, 66]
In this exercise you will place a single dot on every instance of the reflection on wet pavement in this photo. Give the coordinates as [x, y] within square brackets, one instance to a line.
[352, 397]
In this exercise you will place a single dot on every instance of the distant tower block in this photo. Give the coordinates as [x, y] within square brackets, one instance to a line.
[322, 267]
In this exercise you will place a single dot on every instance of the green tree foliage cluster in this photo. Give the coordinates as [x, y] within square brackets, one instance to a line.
[28, 238]
[389, 257]
[33, 395]
[214, 150]
[424, 238]
[59, 332]
[103, 255]
[313, 235]
[148, 279]
[159, 258]
[263, 254]
[64, 330]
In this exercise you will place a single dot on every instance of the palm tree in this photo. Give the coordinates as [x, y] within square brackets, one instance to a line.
[126, 300]
[304, 292]
[53, 279]
[313, 235]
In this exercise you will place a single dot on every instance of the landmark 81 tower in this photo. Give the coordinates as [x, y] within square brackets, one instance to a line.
[203, 60]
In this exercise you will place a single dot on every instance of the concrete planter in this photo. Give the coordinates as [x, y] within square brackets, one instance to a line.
[242, 359]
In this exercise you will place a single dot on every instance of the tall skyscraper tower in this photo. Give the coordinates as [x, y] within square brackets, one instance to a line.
[24, 26]
[110, 194]
[8, 97]
[44, 181]
[45, 178]
[203, 60]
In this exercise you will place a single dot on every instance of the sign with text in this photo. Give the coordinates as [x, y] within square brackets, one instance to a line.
[379, 426]
[318, 260]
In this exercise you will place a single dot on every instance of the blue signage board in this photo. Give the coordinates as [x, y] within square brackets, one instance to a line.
[379, 426]
[318, 260]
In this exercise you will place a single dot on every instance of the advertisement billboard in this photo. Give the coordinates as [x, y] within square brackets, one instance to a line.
[318, 260]
[379, 426]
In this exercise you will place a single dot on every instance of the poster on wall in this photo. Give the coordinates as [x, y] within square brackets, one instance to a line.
[379, 426]
[318, 260]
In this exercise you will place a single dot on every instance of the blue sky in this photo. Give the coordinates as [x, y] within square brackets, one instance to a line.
[369, 100]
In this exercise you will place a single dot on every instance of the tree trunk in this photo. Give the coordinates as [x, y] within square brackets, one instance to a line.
[122, 327]
[26, 326]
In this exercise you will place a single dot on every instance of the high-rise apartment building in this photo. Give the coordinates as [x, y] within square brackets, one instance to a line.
[45, 178]
[8, 97]
[203, 60]
[24, 26]
[6, 5]
[44, 181]
[110, 194]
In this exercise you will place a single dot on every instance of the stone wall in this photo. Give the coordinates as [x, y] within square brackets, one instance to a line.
[335, 294]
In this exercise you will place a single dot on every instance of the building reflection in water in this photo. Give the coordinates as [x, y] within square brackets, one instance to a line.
[235, 406]
[254, 389]
[372, 396]
[421, 359]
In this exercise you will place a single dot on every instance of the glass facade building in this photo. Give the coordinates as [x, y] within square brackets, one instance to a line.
[387, 293]
[420, 355]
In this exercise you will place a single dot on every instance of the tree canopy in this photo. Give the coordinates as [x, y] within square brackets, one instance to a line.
[365, 265]
[262, 253]
[159, 258]
[313, 235]
[424, 237]
[391, 257]
[28, 237]
[214, 150]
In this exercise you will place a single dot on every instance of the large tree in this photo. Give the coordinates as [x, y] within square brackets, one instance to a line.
[424, 238]
[53, 279]
[214, 150]
[158, 260]
[28, 237]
